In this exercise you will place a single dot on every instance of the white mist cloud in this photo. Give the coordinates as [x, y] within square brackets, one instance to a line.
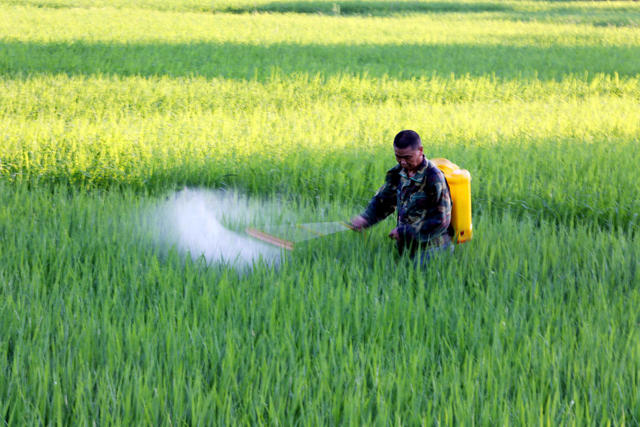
[192, 220]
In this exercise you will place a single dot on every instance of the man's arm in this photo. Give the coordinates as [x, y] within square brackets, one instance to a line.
[381, 205]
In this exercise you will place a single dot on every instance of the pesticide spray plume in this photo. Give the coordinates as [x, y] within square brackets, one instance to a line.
[227, 227]
[210, 224]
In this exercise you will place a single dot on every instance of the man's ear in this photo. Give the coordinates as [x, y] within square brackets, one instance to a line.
[421, 150]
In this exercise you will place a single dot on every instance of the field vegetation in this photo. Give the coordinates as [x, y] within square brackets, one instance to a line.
[108, 107]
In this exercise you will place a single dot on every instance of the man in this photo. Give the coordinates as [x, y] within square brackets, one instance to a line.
[418, 189]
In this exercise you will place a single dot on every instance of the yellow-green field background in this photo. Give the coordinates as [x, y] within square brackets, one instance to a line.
[108, 106]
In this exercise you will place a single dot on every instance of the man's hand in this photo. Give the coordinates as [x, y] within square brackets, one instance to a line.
[394, 234]
[359, 223]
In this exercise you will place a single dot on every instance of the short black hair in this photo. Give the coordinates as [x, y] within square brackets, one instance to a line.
[407, 139]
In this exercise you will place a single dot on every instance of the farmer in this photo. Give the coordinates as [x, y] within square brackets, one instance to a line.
[418, 189]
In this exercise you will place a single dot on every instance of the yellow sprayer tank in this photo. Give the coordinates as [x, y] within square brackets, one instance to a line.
[459, 181]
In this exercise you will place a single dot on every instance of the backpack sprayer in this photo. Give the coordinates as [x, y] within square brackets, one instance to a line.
[458, 180]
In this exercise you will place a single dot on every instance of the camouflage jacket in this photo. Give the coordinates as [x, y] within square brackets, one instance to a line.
[423, 202]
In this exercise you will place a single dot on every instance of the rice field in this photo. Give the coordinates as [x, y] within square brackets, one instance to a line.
[109, 108]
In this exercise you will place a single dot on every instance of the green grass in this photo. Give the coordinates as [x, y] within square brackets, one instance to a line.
[106, 108]
[516, 326]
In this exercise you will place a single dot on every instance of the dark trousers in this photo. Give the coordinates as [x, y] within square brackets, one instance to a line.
[422, 253]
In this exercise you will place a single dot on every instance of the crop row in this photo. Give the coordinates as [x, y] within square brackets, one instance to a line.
[532, 319]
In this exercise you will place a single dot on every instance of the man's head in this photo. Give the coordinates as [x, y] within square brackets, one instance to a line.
[408, 149]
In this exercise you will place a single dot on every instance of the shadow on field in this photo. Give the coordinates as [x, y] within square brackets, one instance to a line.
[352, 176]
[244, 61]
[597, 16]
[616, 16]
[374, 8]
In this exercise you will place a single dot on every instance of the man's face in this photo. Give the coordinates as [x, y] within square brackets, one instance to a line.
[409, 158]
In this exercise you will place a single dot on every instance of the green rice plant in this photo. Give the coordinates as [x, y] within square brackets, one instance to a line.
[109, 108]
[528, 319]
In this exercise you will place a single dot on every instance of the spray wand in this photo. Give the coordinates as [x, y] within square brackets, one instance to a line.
[287, 236]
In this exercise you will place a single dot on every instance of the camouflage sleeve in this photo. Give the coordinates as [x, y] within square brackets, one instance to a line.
[384, 202]
[432, 213]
